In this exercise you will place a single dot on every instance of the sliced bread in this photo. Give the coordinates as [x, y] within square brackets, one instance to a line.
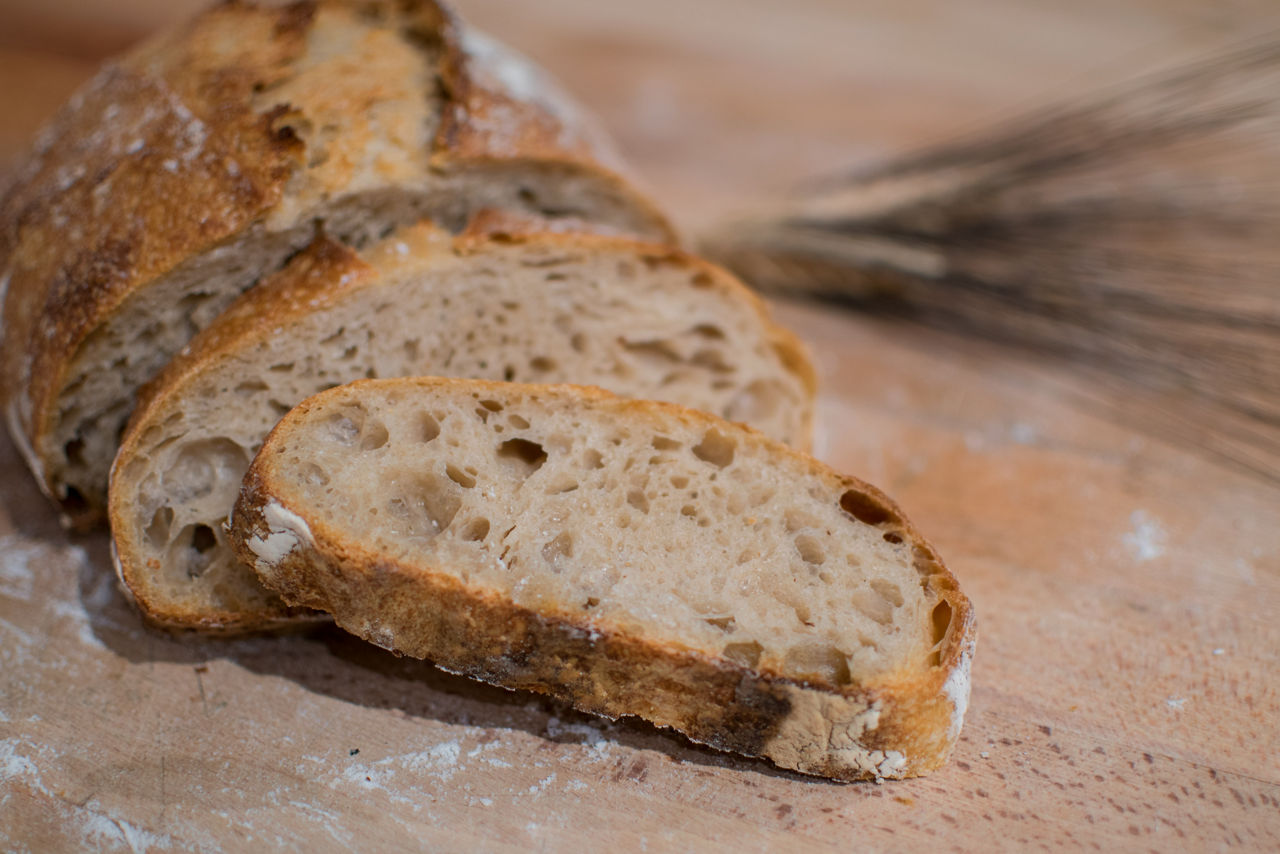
[632, 557]
[644, 321]
[191, 167]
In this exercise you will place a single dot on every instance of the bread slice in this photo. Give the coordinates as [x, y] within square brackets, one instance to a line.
[189, 168]
[634, 558]
[643, 320]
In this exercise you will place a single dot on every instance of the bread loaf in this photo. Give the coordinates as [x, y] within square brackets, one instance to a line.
[188, 169]
[644, 321]
[632, 557]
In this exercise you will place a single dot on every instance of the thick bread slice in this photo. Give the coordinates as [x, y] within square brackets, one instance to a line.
[635, 558]
[646, 321]
[189, 168]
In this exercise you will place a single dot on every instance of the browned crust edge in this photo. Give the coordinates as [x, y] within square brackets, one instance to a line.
[425, 613]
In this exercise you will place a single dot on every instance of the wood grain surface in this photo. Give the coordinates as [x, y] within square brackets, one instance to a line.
[1126, 690]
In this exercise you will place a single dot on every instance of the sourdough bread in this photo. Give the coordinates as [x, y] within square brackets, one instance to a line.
[496, 302]
[632, 557]
[187, 169]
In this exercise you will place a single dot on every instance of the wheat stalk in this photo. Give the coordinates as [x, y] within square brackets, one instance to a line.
[1136, 233]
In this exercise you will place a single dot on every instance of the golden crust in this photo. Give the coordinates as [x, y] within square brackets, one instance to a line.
[134, 175]
[316, 278]
[900, 724]
[180, 146]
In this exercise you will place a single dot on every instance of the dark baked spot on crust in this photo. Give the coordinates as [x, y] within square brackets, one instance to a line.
[296, 18]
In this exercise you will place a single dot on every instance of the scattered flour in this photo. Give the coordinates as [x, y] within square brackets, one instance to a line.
[1146, 540]
[98, 827]
[957, 690]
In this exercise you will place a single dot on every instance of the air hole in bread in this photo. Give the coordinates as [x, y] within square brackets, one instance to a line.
[865, 508]
[281, 368]
[592, 602]
[344, 428]
[925, 563]
[314, 475]
[412, 351]
[712, 360]
[592, 459]
[520, 457]
[810, 550]
[757, 402]
[724, 624]
[874, 606]
[653, 352]
[663, 443]
[508, 373]
[637, 499]
[74, 451]
[701, 280]
[887, 591]
[350, 353]
[798, 604]
[249, 388]
[200, 466]
[941, 625]
[203, 538]
[193, 550]
[744, 654]
[157, 532]
[280, 408]
[476, 530]
[542, 364]
[798, 520]
[518, 422]
[819, 662]
[578, 342]
[373, 435]
[558, 550]
[428, 428]
[426, 507]
[688, 510]
[563, 483]
[679, 481]
[707, 330]
[459, 477]
[715, 448]
[892, 537]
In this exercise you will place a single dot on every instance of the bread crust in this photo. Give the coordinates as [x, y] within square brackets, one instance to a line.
[316, 279]
[902, 723]
[168, 154]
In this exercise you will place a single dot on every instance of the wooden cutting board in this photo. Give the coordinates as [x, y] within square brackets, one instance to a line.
[1126, 687]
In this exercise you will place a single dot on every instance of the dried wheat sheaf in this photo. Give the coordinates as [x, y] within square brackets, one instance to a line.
[1136, 233]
